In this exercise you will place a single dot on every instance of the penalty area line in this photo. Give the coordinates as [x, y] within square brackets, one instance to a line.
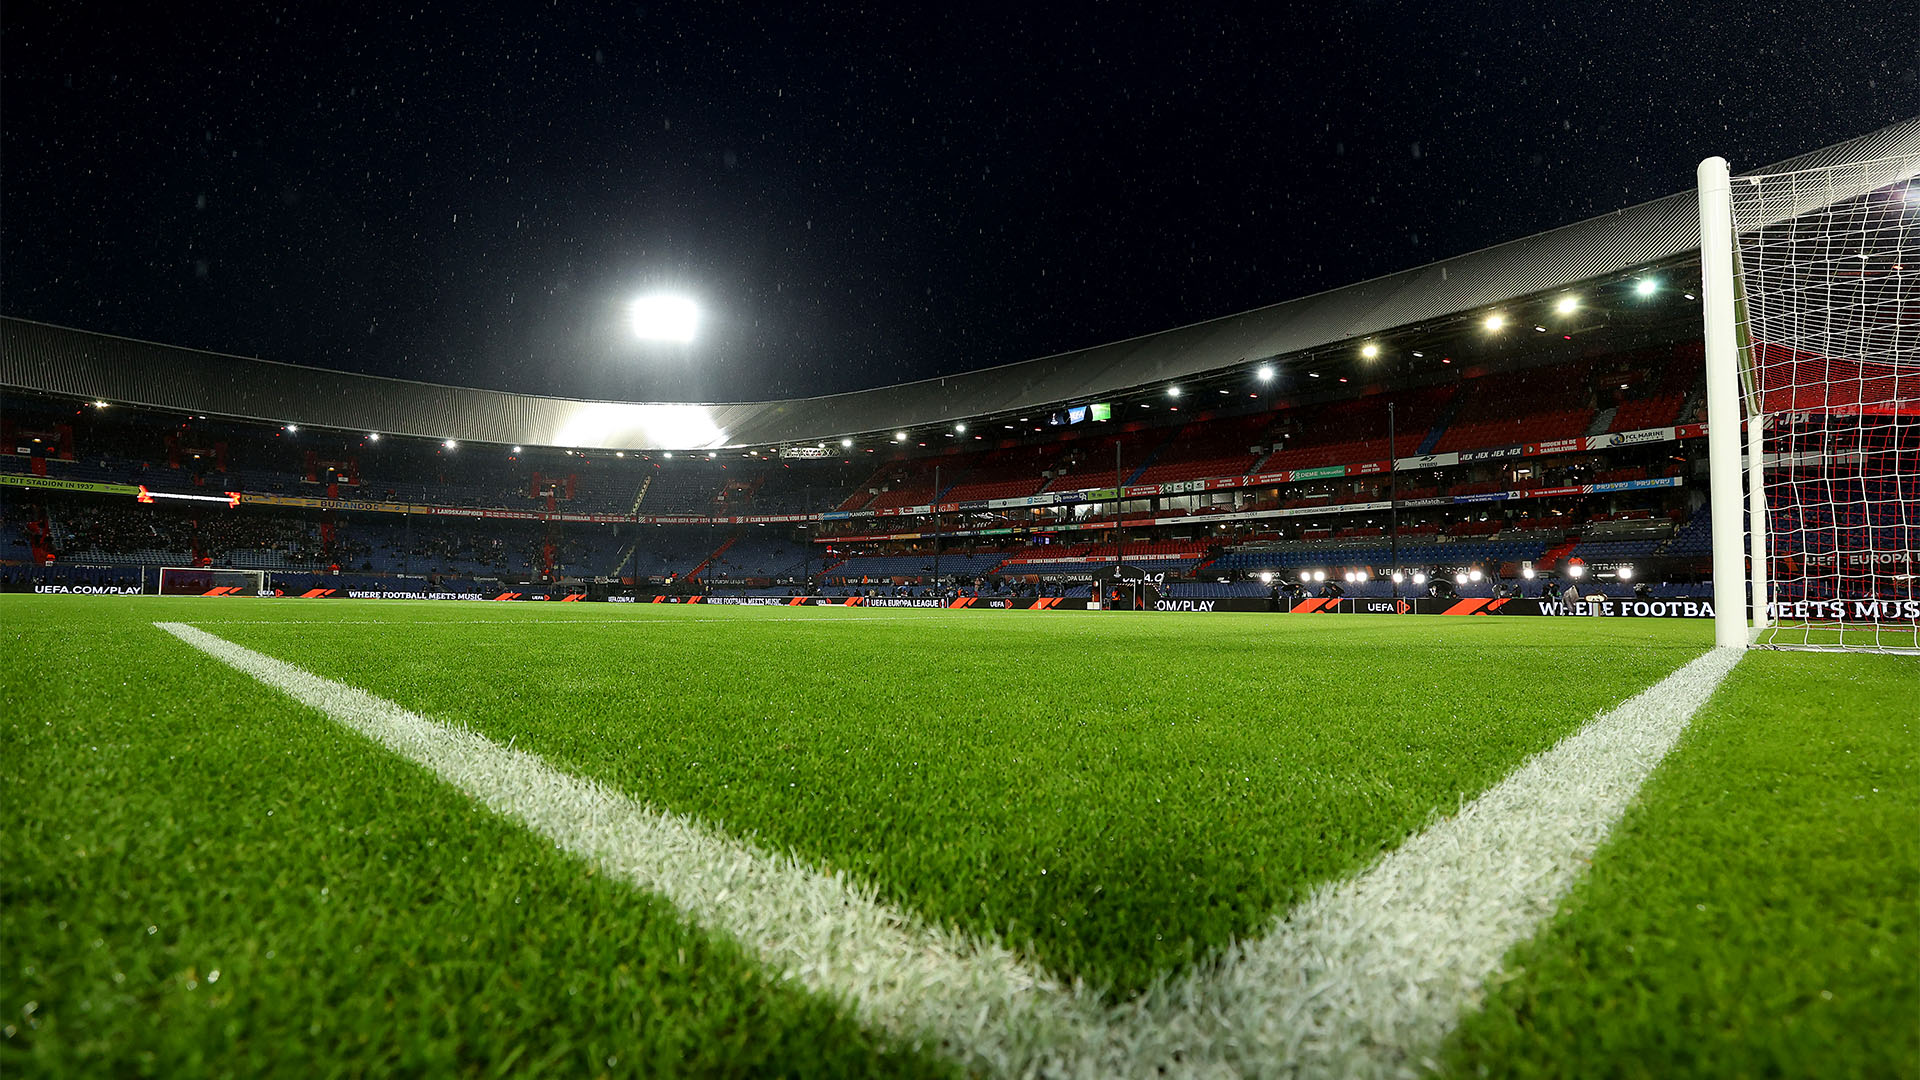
[1364, 978]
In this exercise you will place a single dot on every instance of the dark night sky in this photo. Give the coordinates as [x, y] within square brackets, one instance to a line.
[471, 193]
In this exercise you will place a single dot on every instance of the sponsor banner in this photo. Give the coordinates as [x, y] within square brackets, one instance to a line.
[1488, 496]
[1854, 558]
[1557, 446]
[1856, 610]
[1203, 606]
[1268, 478]
[1690, 431]
[1497, 452]
[1368, 468]
[68, 485]
[1324, 472]
[1438, 500]
[75, 590]
[1627, 438]
[1428, 461]
[1635, 485]
[805, 452]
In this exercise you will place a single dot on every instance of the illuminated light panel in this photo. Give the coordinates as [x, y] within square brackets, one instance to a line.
[1496, 322]
[1370, 350]
[666, 317]
[1567, 304]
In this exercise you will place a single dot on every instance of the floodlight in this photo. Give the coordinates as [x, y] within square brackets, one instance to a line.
[99, 404]
[1496, 321]
[1266, 577]
[1419, 577]
[451, 445]
[711, 455]
[1369, 350]
[373, 436]
[846, 444]
[899, 436]
[961, 428]
[1459, 579]
[292, 428]
[1576, 570]
[1527, 572]
[1398, 577]
[1264, 373]
[1474, 575]
[1319, 575]
[1173, 391]
[1646, 286]
[516, 450]
[1566, 305]
[1626, 573]
[664, 317]
[619, 453]
[668, 455]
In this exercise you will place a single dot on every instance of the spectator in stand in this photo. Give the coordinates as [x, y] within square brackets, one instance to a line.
[1571, 596]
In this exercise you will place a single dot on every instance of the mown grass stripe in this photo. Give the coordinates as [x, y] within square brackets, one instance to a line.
[1365, 978]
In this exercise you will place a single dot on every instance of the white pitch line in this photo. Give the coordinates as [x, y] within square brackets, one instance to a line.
[1365, 978]
[831, 935]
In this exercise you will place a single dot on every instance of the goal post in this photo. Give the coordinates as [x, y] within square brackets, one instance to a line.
[1810, 282]
[211, 581]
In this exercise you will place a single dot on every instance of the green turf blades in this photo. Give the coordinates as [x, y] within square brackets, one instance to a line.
[1118, 831]
[201, 878]
[1756, 913]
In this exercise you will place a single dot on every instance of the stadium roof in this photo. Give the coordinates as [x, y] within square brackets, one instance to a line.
[57, 360]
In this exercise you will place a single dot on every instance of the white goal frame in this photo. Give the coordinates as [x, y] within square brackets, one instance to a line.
[1736, 403]
[258, 577]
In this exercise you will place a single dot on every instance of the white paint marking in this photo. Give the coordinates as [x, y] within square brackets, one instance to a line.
[1365, 978]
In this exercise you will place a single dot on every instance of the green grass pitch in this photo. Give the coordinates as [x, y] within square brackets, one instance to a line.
[199, 875]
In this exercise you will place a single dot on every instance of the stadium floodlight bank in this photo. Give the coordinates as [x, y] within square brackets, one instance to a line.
[211, 581]
[1811, 296]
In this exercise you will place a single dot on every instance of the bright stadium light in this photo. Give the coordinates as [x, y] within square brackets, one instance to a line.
[1419, 577]
[1567, 304]
[1370, 350]
[1527, 572]
[616, 453]
[665, 317]
[1264, 373]
[373, 436]
[1173, 391]
[668, 455]
[517, 450]
[451, 445]
[1474, 575]
[1646, 286]
[292, 428]
[899, 436]
[1459, 579]
[846, 444]
[960, 429]
[1576, 570]
[1496, 321]
[1626, 573]
[1266, 577]
[1399, 578]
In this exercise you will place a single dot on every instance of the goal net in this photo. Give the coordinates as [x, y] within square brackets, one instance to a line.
[1825, 339]
[208, 581]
